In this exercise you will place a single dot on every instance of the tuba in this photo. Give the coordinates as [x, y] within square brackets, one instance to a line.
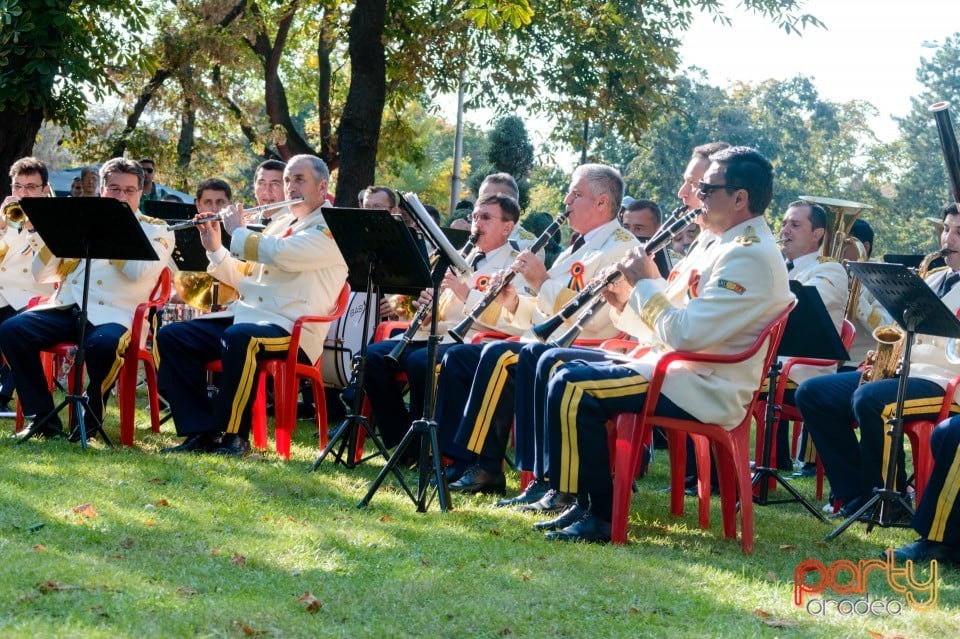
[841, 214]
[882, 362]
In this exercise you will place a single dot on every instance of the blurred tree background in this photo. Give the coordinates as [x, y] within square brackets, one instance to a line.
[210, 88]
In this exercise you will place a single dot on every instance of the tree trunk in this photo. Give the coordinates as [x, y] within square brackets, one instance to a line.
[188, 123]
[19, 134]
[362, 115]
[328, 147]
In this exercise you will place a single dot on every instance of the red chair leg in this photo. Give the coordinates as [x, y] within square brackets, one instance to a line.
[259, 412]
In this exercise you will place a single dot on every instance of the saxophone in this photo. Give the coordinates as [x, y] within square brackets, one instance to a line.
[883, 361]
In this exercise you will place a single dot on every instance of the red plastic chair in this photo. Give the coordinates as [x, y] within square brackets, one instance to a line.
[790, 413]
[919, 432]
[136, 353]
[286, 374]
[732, 447]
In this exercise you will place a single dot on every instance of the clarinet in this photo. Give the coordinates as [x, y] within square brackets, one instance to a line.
[585, 298]
[459, 331]
[393, 357]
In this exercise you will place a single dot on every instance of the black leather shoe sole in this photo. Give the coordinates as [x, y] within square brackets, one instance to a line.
[533, 493]
[587, 528]
[569, 516]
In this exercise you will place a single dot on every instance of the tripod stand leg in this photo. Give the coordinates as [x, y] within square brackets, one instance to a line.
[391, 466]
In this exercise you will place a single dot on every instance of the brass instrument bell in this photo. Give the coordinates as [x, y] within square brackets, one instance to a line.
[196, 289]
[841, 214]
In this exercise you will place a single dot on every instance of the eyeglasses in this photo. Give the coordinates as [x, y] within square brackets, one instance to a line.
[116, 190]
[704, 188]
[485, 217]
[147, 170]
[28, 188]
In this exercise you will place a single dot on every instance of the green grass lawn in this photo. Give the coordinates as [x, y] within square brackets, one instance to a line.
[189, 545]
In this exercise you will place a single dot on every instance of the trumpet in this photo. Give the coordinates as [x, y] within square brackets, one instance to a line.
[459, 331]
[681, 217]
[14, 214]
[393, 357]
[248, 214]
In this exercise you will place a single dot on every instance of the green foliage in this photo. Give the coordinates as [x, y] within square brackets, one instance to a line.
[53, 52]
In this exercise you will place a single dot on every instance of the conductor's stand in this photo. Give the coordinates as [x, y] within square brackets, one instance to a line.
[87, 229]
[383, 257]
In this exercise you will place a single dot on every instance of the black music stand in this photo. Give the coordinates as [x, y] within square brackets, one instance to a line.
[86, 228]
[382, 256]
[907, 298]
[809, 333]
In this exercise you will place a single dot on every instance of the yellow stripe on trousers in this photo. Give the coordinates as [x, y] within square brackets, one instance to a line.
[946, 500]
[491, 396]
[919, 406]
[117, 363]
[569, 405]
[249, 375]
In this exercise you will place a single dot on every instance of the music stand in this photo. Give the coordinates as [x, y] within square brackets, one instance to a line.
[86, 228]
[907, 297]
[809, 333]
[382, 256]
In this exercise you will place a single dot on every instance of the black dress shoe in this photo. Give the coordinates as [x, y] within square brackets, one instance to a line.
[478, 480]
[569, 516]
[552, 502]
[232, 445]
[197, 443]
[925, 550]
[534, 492]
[48, 430]
[587, 528]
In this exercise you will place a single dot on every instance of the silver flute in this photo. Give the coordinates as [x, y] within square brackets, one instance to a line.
[248, 214]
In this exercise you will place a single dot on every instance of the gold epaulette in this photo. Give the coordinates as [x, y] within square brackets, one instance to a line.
[749, 237]
[623, 235]
[152, 220]
[823, 259]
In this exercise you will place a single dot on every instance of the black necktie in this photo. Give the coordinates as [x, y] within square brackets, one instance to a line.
[789, 265]
[478, 257]
[947, 284]
[578, 244]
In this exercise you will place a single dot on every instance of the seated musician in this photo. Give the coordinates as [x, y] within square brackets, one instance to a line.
[481, 377]
[536, 361]
[801, 236]
[870, 314]
[116, 288]
[938, 514]
[741, 287]
[832, 404]
[29, 178]
[293, 268]
[492, 222]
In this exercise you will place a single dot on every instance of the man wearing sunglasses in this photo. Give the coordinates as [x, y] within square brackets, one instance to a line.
[736, 287]
[150, 190]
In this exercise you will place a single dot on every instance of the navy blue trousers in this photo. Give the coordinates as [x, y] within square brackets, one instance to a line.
[831, 404]
[581, 397]
[23, 337]
[185, 348]
[938, 513]
[385, 393]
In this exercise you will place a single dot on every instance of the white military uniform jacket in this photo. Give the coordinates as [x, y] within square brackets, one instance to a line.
[736, 286]
[293, 268]
[604, 246]
[452, 310]
[17, 285]
[116, 286]
[928, 358]
[830, 279]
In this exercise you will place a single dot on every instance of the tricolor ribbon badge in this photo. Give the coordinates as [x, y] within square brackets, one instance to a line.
[576, 276]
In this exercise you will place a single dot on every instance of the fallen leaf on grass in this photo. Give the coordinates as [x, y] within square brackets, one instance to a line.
[86, 510]
[495, 532]
[215, 552]
[163, 502]
[51, 585]
[186, 592]
[787, 547]
[633, 611]
[257, 457]
[313, 604]
[505, 632]
[425, 561]
[884, 635]
[772, 621]
[38, 547]
[157, 480]
[247, 630]
[127, 542]
[238, 559]
[386, 518]
[148, 523]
